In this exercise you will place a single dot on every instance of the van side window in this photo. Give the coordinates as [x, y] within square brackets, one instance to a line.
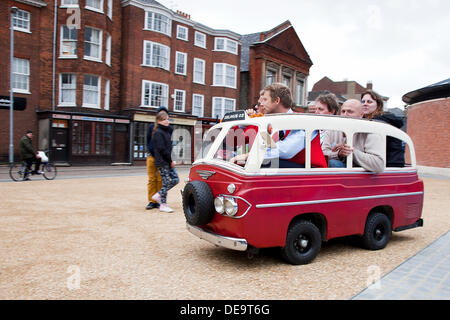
[239, 140]
[395, 152]
[290, 150]
[330, 141]
[287, 150]
[369, 151]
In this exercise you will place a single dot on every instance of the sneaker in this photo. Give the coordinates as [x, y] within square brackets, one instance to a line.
[152, 205]
[157, 197]
[164, 208]
[26, 179]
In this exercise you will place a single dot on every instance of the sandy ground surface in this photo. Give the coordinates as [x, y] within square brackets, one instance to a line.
[93, 239]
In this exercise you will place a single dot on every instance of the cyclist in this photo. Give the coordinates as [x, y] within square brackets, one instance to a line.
[29, 154]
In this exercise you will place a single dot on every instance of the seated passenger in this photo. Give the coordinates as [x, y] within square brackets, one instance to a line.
[368, 147]
[373, 109]
[326, 104]
[277, 99]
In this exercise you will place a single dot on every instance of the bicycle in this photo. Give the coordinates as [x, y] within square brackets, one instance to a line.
[20, 172]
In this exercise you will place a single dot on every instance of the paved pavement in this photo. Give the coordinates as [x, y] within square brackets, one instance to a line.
[77, 172]
[425, 276]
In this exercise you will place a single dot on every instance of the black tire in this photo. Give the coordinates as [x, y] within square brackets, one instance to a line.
[49, 171]
[377, 231]
[198, 203]
[16, 172]
[303, 243]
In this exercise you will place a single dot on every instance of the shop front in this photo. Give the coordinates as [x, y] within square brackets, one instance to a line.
[85, 139]
[182, 138]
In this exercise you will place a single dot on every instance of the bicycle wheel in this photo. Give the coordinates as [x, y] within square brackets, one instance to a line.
[16, 172]
[49, 171]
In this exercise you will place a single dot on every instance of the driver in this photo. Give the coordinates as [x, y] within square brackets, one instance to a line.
[290, 148]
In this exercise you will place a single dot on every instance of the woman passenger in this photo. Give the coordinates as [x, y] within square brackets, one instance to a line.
[372, 105]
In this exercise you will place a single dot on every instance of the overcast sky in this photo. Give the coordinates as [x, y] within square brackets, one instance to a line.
[399, 45]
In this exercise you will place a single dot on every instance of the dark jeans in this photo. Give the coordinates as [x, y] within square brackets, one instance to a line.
[29, 162]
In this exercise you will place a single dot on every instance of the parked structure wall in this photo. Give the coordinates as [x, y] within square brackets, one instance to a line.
[428, 128]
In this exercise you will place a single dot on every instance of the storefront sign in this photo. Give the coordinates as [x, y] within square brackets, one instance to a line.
[60, 116]
[179, 121]
[122, 121]
[92, 119]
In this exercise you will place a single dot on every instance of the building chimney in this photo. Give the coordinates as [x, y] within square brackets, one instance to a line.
[185, 15]
[369, 85]
[351, 86]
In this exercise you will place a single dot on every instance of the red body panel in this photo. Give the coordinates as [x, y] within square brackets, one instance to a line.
[344, 199]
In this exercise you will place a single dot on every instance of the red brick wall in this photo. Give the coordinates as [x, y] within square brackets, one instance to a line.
[428, 128]
[133, 73]
[81, 66]
[26, 46]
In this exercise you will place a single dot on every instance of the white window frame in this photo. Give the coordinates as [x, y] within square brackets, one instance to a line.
[271, 71]
[23, 74]
[200, 42]
[183, 62]
[228, 45]
[99, 10]
[175, 100]
[73, 88]
[100, 45]
[150, 15]
[108, 50]
[106, 94]
[109, 8]
[287, 80]
[202, 71]
[180, 27]
[23, 20]
[222, 100]
[99, 88]
[62, 40]
[202, 106]
[165, 98]
[299, 94]
[69, 4]
[149, 47]
[221, 75]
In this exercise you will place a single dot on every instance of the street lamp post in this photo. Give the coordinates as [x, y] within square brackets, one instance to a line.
[11, 94]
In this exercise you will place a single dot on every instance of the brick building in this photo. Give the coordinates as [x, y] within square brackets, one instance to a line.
[428, 120]
[91, 74]
[276, 55]
[347, 89]
[170, 60]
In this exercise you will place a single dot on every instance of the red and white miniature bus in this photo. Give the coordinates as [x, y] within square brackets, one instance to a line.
[253, 204]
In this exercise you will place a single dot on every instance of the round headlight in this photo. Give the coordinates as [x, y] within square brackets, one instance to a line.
[218, 204]
[231, 188]
[231, 207]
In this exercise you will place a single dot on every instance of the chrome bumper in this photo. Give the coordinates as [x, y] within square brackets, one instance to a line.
[227, 242]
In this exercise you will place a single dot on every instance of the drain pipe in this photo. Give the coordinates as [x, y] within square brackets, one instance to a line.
[54, 53]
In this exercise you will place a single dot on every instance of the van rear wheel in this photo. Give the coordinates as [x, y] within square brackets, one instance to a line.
[303, 243]
[377, 231]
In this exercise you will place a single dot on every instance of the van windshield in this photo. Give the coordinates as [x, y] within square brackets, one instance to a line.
[207, 142]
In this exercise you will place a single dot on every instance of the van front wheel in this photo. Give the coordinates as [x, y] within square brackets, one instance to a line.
[303, 243]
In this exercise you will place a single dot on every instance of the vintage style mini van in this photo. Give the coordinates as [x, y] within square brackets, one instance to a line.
[259, 203]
